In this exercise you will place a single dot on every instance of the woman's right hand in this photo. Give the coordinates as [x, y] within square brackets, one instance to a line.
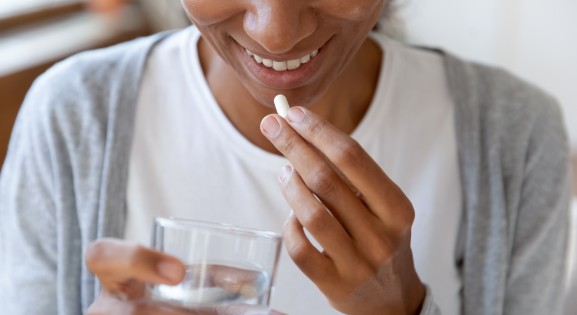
[124, 269]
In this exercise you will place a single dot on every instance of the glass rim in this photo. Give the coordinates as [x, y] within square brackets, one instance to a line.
[175, 222]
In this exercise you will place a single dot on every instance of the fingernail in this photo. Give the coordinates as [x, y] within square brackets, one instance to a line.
[170, 270]
[286, 173]
[271, 126]
[296, 114]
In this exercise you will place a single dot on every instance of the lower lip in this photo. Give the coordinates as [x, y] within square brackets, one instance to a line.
[282, 80]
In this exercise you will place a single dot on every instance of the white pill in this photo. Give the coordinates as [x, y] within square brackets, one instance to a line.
[281, 104]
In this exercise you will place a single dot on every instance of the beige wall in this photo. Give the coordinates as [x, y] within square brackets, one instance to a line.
[535, 39]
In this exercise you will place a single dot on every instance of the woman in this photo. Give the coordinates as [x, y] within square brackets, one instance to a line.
[433, 186]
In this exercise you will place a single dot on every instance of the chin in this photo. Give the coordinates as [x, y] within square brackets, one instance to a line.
[305, 96]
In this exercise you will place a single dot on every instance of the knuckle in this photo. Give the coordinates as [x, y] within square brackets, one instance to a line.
[94, 253]
[407, 219]
[315, 127]
[349, 152]
[294, 246]
[405, 216]
[362, 272]
[382, 253]
[288, 144]
[322, 181]
[315, 218]
[298, 252]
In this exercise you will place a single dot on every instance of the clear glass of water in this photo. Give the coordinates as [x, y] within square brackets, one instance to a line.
[225, 264]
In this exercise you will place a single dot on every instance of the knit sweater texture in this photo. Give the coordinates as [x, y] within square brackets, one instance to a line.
[64, 183]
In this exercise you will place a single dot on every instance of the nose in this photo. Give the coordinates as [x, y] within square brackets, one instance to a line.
[279, 25]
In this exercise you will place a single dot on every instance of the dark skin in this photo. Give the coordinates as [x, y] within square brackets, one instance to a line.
[347, 113]
[338, 193]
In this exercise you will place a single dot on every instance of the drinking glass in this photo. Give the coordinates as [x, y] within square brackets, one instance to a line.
[225, 264]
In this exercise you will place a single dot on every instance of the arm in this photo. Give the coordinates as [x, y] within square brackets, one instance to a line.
[537, 264]
[28, 216]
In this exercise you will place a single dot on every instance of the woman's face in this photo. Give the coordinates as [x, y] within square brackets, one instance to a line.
[294, 47]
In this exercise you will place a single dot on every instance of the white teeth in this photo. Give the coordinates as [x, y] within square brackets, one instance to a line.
[293, 64]
[279, 65]
[283, 65]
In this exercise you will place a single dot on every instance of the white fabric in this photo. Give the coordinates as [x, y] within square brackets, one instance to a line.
[187, 160]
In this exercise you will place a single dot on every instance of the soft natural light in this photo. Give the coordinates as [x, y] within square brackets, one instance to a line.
[8, 7]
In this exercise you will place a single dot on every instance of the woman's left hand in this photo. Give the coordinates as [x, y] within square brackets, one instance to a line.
[351, 207]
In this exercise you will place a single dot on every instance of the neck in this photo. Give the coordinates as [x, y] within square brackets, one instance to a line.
[344, 104]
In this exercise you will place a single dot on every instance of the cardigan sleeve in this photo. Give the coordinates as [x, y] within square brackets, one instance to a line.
[28, 204]
[61, 184]
[536, 272]
[45, 180]
[514, 157]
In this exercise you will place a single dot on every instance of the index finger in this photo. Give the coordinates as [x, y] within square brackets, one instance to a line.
[118, 261]
[379, 192]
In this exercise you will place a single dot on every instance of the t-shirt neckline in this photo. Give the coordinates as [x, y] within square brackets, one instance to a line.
[231, 137]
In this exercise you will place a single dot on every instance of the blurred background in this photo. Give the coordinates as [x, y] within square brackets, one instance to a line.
[536, 40]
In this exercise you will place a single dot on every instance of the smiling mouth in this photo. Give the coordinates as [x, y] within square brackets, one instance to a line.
[280, 65]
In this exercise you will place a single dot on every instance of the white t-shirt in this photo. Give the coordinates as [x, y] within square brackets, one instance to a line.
[188, 160]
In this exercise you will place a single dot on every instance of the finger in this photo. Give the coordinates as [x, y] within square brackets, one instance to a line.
[313, 215]
[319, 176]
[244, 282]
[107, 303]
[316, 266]
[379, 192]
[115, 262]
[131, 290]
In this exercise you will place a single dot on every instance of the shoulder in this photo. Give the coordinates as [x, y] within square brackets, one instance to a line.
[88, 85]
[90, 73]
[508, 130]
[496, 95]
[76, 105]
[502, 105]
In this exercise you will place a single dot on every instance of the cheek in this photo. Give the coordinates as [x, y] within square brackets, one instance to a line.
[353, 10]
[207, 12]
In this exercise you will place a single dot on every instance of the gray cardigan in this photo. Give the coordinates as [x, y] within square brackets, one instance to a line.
[64, 184]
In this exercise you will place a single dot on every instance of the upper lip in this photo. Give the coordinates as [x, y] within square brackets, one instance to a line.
[282, 57]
